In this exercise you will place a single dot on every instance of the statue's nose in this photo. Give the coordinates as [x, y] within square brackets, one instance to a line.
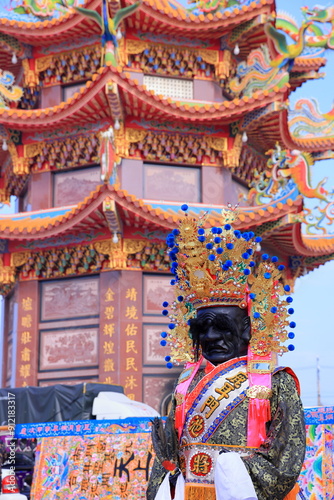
[213, 333]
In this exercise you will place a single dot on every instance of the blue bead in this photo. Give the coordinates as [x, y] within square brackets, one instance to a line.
[172, 282]
[229, 246]
[228, 263]
[217, 239]
[251, 234]
[289, 300]
[165, 312]
[227, 226]
[180, 298]
[171, 326]
[256, 315]
[287, 288]
[292, 324]
[281, 267]
[167, 358]
[212, 257]
[291, 310]
[245, 255]
[249, 251]
[163, 335]
[237, 233]
[258, 239]
[219, 230]
[245, 236]
[252, 296]
[165, 304]
[214, 230]
[267, 276]
[175, 232]
[273, 310]
[225, 267]
[184, 207]
[163, 343]
[291, 347]
[251, 264]
[169, 365]
[265, 256]
[209, 246]
[291, 335]
[274, 259]
[219, 250]
[201, 231]
[201, 239]
[246, 272]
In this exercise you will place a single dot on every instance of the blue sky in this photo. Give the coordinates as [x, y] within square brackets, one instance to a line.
[313, 297]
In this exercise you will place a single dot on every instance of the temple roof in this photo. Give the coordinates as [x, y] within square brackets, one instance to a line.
[157, 16]
[276, 222]
[33, 30]
[91, 103]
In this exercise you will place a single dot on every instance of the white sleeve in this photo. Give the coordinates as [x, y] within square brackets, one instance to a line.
[163, 492]
[232, 481]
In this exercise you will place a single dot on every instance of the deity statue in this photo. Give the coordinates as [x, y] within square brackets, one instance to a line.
[236, 428]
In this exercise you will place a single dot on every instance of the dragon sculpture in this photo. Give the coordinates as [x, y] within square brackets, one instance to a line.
[286, 54]
[316, 36]
[307, 121]
[288, 170]
[44, 9]
[108, 27]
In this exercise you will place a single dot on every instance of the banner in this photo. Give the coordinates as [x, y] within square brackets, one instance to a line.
[114, 465]
[317, 476]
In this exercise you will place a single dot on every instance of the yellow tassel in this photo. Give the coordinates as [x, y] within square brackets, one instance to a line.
[194, 491]
[293, 493]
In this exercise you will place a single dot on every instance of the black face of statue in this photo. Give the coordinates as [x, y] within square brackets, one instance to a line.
[222, 332]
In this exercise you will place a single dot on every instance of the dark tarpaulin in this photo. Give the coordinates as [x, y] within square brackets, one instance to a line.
[55, 403]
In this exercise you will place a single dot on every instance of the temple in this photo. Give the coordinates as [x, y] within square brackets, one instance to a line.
[113, 114]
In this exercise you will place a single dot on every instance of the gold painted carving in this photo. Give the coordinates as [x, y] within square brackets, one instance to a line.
[133, 246]
[135, 46]
[120, 141]
[34, 149]
[117, 258]
[135, 135]
[223, 68]
[217, 143]
[231, 157]
[43, 63]
[209, 56]
[20, 163]
[7, 273]
[30, 76]
[4, 196]
[18, 259]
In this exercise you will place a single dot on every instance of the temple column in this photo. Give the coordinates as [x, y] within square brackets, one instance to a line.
[27, 334]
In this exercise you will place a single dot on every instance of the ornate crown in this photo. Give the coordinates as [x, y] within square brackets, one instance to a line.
[217, 266]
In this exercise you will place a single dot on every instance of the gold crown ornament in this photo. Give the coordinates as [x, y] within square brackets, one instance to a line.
[217, 267]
